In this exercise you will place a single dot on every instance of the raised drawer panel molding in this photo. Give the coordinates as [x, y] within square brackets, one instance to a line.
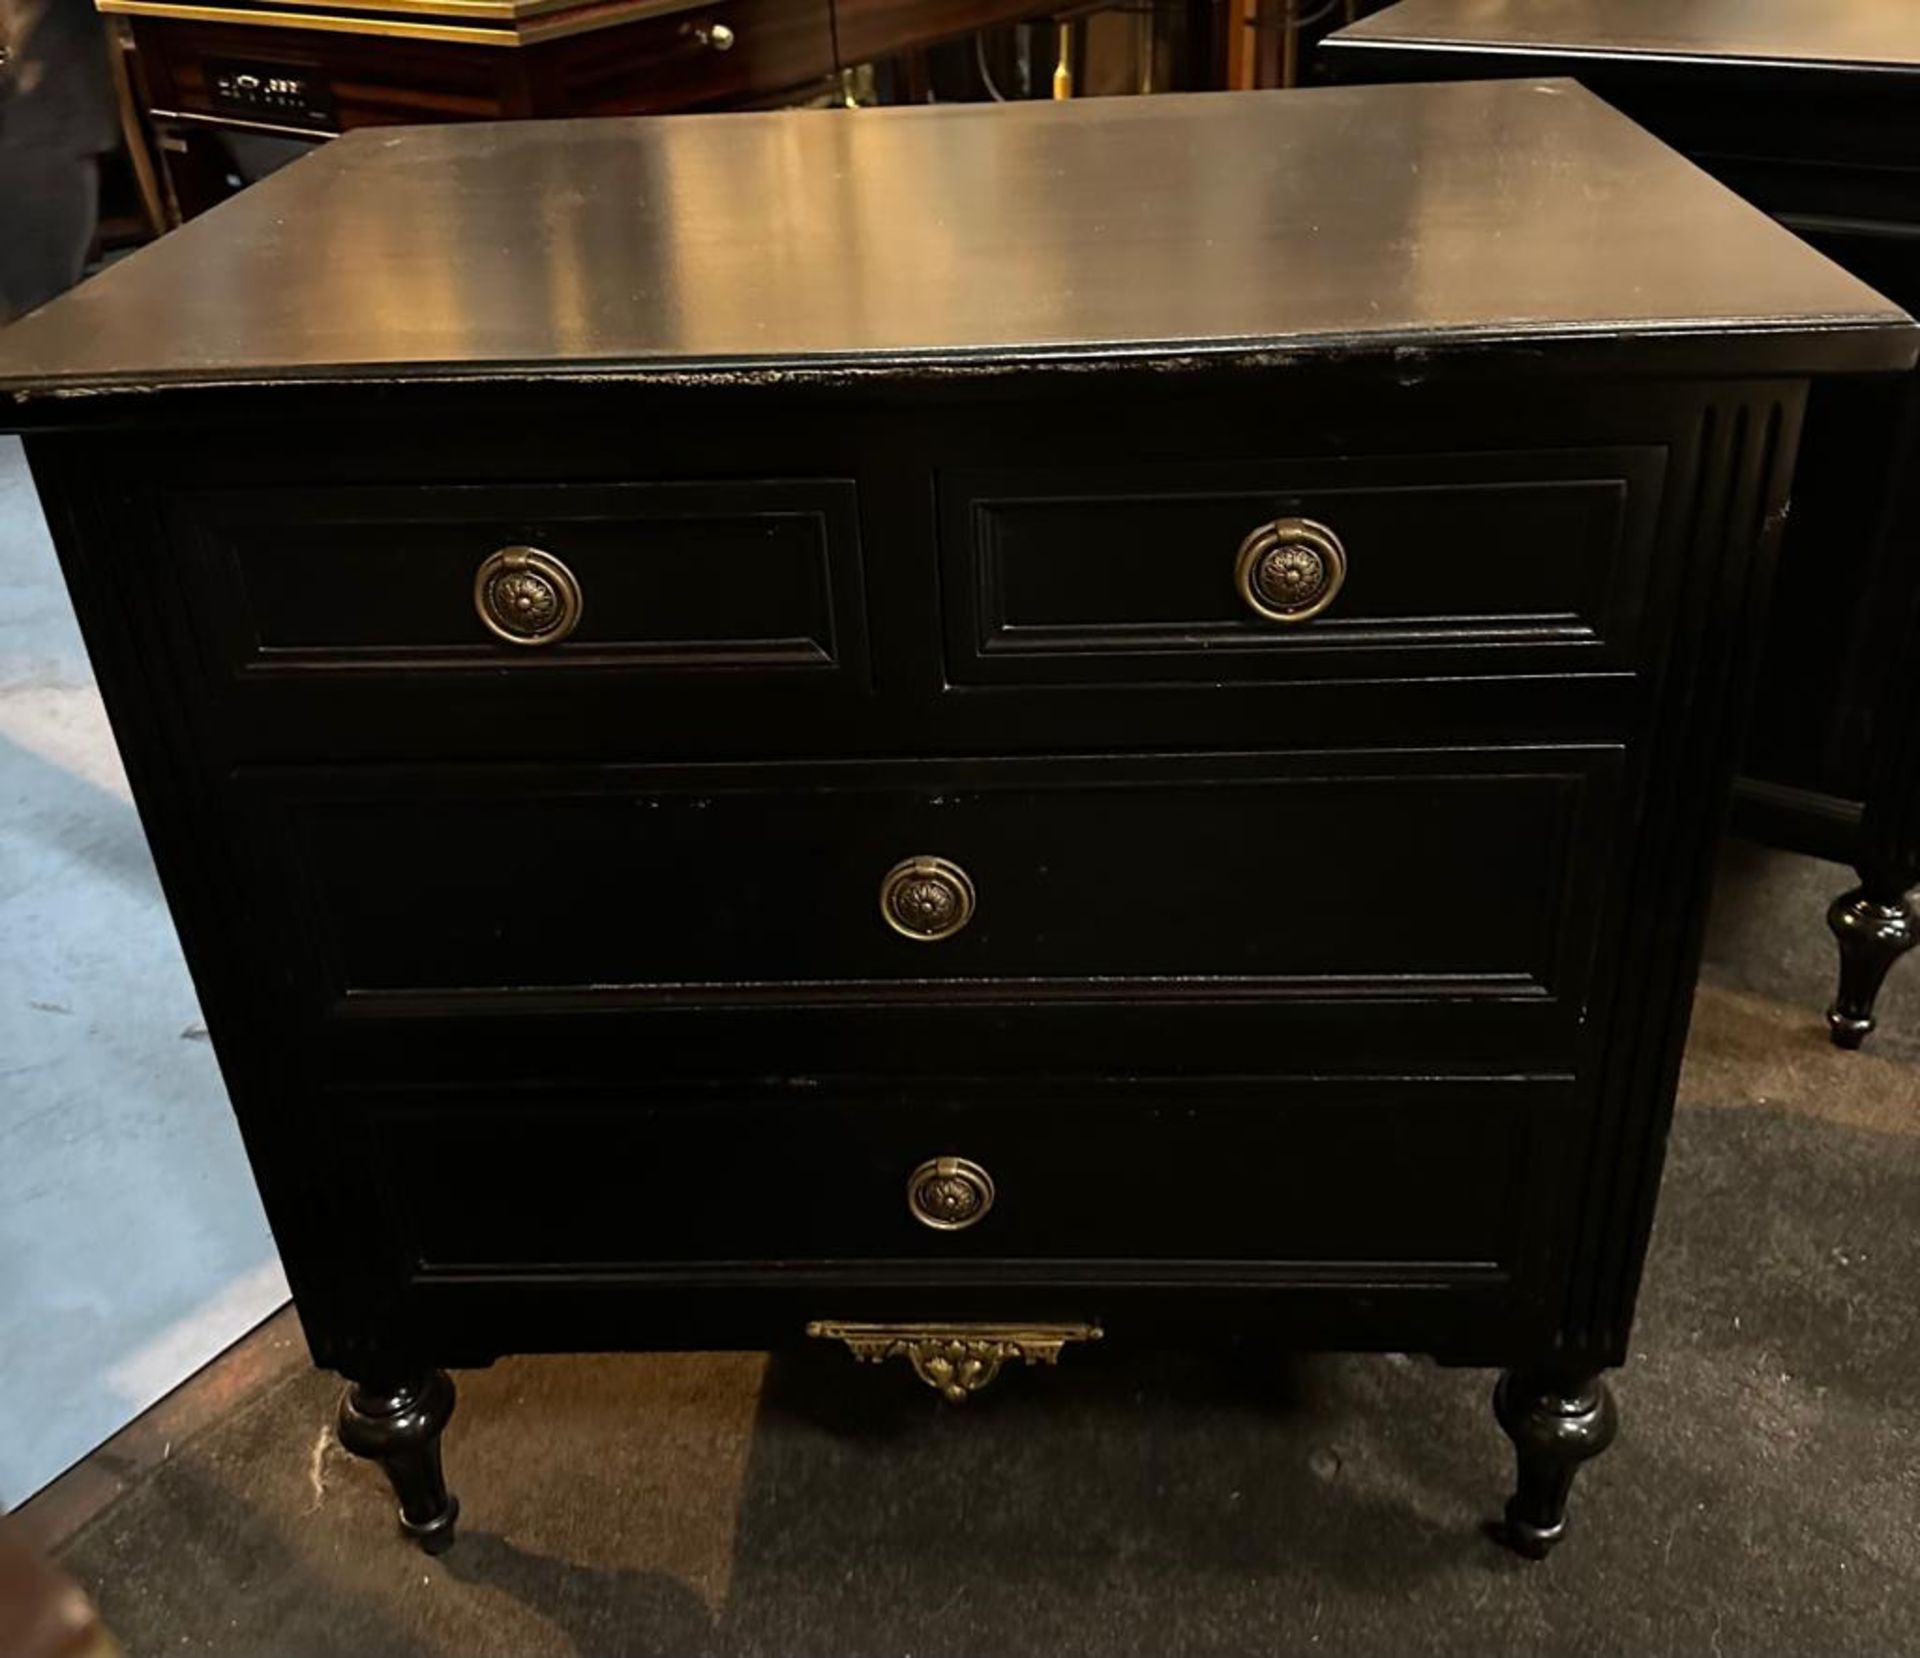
[1501, 563]
[1155, 879]
[669, 577]
[1418, 1182]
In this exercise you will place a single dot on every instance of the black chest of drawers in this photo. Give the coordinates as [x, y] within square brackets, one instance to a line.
[1810, 109]
[939, 764]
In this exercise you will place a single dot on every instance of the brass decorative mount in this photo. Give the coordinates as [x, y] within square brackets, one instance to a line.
[955, 1360]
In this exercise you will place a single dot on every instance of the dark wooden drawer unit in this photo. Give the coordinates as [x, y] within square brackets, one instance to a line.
[479, 63]
[325, 67]
[1117, 758]
[1812, 112]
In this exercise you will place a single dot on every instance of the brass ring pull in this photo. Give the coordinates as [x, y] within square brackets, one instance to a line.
[926, 899]
[949, 1194]
[526, 597]
[1290, 570]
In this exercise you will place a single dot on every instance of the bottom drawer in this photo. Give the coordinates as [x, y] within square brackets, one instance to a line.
[1434, 1175]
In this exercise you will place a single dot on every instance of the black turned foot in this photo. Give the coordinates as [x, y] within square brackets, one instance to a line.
[398, 1426]
[1555, 1423]
[1873, 936]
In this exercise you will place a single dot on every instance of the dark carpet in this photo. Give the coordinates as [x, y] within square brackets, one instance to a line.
[1764, 1496]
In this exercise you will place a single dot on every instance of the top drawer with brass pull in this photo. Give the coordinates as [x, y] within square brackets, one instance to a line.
[477, 614]
[1411, 566]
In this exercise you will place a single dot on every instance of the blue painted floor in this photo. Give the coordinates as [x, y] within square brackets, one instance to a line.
[132, 1246]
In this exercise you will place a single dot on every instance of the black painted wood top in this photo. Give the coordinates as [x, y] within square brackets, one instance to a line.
[1407, 225]
[1870, 36]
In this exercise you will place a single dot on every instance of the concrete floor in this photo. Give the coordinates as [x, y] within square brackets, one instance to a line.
[1763, 1498]
[132, 1247]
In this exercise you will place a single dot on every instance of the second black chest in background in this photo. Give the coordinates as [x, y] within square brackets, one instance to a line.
[1813, 113]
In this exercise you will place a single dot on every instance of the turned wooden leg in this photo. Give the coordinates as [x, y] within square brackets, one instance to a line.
[1556, 1423]
[397, 1424]
[1873, 924]
[1873, 935]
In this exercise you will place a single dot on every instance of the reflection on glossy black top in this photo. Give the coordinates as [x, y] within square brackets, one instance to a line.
[1369, 219]
[1869, 34]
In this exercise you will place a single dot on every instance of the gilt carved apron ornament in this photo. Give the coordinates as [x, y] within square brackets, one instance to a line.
[955, 1360]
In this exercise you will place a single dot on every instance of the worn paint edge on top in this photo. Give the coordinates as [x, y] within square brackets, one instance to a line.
[1405, 352]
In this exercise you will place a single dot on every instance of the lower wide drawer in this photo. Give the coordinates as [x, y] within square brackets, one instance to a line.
[1451, 1176]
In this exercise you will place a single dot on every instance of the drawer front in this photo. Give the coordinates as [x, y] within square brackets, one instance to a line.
[1393, 1175]
[733, 50]
[1341, 568]
[697, 583]
[1451, 874]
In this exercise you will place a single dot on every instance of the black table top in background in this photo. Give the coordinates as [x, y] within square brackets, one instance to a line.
[1867, 35]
